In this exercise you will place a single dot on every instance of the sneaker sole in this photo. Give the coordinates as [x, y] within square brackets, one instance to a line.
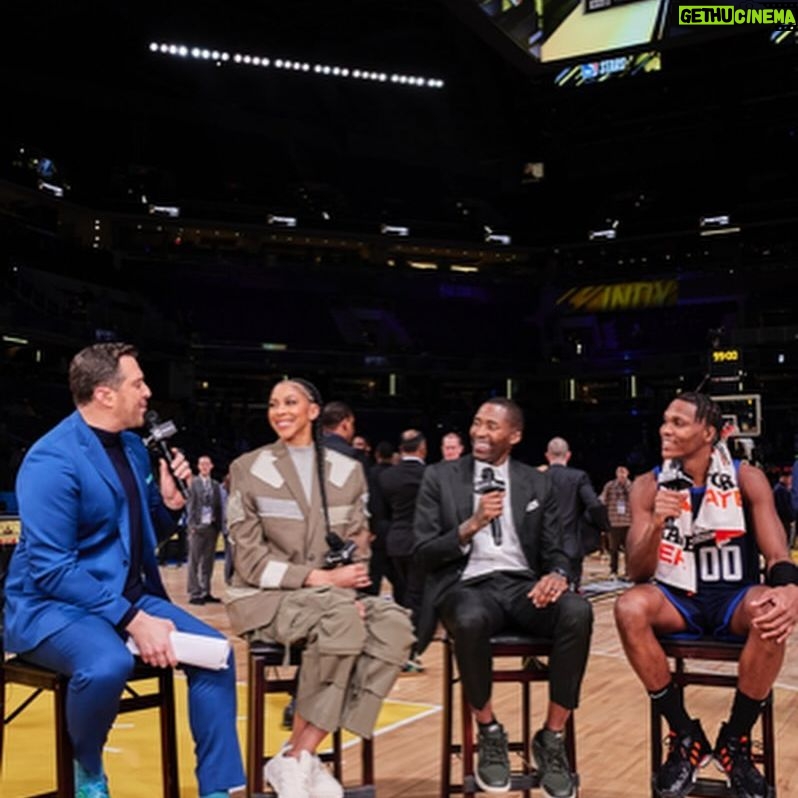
[548, 794]
[769, 793]
[669, 794]
[545, 792]
[485, 788]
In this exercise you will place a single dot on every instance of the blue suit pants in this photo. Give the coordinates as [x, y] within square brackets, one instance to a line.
[94, 656]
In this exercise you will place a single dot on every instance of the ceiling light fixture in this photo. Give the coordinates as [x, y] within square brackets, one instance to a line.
[247, 59]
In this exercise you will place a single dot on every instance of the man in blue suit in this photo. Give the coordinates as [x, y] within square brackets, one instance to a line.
[84, 576]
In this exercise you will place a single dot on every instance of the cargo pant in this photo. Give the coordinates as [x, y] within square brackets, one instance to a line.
[349, 663]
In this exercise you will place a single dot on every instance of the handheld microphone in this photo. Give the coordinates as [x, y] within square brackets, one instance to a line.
[490, 484]
[159, 433]
[674, 479]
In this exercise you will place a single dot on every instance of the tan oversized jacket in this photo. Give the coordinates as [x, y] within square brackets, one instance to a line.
[277, 538]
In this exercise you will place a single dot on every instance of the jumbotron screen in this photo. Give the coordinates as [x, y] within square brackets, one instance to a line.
[558, 30]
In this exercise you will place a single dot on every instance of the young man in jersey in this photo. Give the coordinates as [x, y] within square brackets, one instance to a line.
[698, 524]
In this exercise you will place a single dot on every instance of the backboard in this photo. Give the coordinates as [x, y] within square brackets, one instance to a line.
[742, 414]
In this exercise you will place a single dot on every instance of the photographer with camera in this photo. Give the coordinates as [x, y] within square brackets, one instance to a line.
[298, 526]
[488, 534]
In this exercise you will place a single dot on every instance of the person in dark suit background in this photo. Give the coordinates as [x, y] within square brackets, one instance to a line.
[494, 561]
[204, 515]
[575, 497]
[338, 430]
[452, 446]
[379, 564]
[399, 486]
[361, 444]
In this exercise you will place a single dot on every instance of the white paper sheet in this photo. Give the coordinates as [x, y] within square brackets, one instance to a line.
[198, 650]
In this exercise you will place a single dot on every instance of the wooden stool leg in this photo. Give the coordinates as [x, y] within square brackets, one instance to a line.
[526, 728]
[446, 736]
[166, 711]
[65, 771]
[769, 742]
[656, 743]
[367, 761]
[2, 711]
[570, 741]
[255, 732]
[467, 732]
[337, 755]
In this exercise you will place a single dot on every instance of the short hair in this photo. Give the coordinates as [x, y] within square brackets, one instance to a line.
[334, 413]
[453, 434]
[558, 447]
[411, 441]
[706, 410]
[95, 365]
[514, 413]
[384, 450]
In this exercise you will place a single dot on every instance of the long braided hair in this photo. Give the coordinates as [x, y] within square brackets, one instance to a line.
[314, 396]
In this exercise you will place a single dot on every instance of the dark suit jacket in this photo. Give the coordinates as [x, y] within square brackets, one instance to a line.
[336, 442]
[575, 496]
[378, 511]
[446, 499]
[194, 503]
[400, 486]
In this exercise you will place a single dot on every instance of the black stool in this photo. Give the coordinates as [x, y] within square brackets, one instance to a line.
[261, 657]
[17, 671]
[715, 651]
[529, 670]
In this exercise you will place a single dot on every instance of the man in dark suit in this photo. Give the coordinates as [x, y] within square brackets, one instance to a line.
[338, 429]
[488, 534]
[575, 498]
[379, 565]
[400, 486]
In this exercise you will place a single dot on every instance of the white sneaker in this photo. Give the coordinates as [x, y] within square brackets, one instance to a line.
[322, 783]
[289, 776]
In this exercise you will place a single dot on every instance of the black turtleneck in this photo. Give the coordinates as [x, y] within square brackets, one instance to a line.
[134, 585]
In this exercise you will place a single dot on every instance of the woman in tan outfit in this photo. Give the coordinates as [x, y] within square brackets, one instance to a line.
[298, 526]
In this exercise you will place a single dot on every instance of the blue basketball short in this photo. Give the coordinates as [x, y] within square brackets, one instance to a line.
[706, 614]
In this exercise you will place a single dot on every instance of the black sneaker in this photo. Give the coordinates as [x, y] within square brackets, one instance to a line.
[493, 760]
[556, 778]
[687, 753]
[733, 755]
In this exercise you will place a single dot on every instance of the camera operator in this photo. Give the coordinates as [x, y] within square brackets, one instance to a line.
[297, 523]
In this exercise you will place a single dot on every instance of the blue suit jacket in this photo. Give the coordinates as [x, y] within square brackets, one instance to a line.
[74, 551]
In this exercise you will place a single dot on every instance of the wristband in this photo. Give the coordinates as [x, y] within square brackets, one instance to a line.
[783, 573]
